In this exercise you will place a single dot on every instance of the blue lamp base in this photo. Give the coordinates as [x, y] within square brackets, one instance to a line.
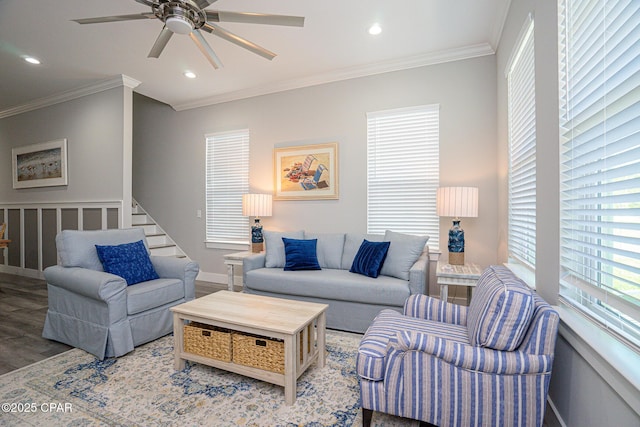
[257, 238]
[456, 244]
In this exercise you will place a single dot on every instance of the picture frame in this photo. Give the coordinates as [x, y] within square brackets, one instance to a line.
[306, 172]
[40, 165]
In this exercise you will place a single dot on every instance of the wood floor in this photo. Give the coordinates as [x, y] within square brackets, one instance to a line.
[23, 307]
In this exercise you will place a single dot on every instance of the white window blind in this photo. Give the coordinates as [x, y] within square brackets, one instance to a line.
[600, 161]
[522, 150]
[227, 180]
[403, 171]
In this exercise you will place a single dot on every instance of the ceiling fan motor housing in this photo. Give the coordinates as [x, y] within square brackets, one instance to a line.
[180, 17]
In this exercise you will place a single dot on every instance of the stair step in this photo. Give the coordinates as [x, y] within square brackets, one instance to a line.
[167, 245]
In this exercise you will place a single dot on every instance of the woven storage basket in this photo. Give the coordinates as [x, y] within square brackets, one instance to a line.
[208, 341]
[258, 352]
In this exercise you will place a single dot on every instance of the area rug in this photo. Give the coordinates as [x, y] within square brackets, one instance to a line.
[143, 389]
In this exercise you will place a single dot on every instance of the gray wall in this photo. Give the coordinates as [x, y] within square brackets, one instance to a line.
[96, 128]
[93, 127]
[581, 395]
[169, 151]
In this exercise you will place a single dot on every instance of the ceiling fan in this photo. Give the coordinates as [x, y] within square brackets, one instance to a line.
[189, 17]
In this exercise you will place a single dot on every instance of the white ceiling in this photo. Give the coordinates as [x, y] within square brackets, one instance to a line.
[333, 45]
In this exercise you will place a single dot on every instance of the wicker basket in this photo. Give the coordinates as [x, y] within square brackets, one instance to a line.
[207, 341]
[258, 352]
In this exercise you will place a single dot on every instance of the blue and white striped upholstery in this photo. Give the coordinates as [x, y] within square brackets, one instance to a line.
[500, 311]
[425, 368]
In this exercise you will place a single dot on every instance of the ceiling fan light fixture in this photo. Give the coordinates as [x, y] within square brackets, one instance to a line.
[179, 25]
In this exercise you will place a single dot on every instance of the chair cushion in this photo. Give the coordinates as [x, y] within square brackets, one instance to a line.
[370, 257]
[300, 254]
[153, 293]
[128, 260]
[500, 310]
[274, 246]
[404, 251]
[373, 349]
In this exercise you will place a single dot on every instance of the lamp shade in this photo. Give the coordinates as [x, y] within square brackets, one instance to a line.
[256, 205]
[457, 202]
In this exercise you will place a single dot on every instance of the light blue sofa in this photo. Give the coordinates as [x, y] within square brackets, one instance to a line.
[96, 311]
[353, 299]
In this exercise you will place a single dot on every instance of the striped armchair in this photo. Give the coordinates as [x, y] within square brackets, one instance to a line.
[488, 364]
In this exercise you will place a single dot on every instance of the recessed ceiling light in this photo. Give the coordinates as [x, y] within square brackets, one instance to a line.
[375, 29]
[31, 60]
[190, 74]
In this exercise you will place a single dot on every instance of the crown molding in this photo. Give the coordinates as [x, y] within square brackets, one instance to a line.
[433, 58]
[69, 95]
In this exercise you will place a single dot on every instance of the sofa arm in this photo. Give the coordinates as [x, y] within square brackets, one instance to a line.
[93, 284]
[419, 274]
[429, 308]
[252, 262]
[178, 268]
[479, 359]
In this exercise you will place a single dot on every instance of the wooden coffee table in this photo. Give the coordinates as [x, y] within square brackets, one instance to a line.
[289, 320]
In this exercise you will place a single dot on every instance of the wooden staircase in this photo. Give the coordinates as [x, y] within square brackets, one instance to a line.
[159, 242]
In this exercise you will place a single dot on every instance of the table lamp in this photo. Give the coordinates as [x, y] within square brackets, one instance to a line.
[256, 205]
[457, 202]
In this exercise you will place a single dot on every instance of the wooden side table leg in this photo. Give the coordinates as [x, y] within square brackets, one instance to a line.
[230, 274]
[444, 292]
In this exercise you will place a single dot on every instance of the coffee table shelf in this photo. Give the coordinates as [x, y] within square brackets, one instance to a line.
[301, 325]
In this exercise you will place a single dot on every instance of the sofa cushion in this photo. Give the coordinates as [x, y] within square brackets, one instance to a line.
[274, 246]
[154, 293]
[329, 249]
[369, 259]
[300, 254]
[404, 251]
[127, 260]
[500, 310]
[352, 242]
[76, 248]
[370, 363]
[330, 284]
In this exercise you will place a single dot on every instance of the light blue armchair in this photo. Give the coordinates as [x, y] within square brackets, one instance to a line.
[96, 311]
[488, 364]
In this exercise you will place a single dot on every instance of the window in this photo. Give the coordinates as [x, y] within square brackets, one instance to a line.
[522, 151]
[600, 159]
[403, 171]
[227, 180]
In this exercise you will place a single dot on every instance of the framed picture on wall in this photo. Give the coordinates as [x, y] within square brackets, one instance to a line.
[306, 172]
[40, 165]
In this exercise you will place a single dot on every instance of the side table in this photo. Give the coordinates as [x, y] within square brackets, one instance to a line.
[232, 260]
[459, 275]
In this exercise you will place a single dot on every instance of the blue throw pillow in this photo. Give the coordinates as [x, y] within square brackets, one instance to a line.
[300, 254]
[129, 261]
[370, 257]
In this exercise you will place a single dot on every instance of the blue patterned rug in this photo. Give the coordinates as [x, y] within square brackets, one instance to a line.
[143, 389]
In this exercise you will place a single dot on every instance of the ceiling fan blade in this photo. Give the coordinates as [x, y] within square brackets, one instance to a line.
[255, 18]
[203, 3]
[146, 2]
[161, 42]
[115, 18]
[206, 50]
[229, 36]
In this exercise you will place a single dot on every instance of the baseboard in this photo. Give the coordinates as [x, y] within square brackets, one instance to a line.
[211, 277]
[19, 271]
[551, 417]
